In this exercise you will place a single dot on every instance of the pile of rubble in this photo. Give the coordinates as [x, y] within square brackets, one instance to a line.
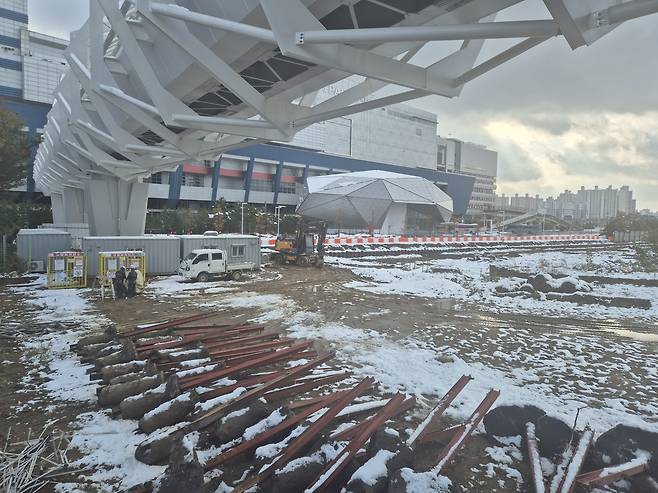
[545, 283]
[275, 415]
[562, 288]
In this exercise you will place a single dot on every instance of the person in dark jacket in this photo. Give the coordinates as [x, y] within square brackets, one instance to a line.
[120, 283]
[132, 281]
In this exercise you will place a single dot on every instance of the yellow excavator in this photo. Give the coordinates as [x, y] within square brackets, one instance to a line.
[301, 248]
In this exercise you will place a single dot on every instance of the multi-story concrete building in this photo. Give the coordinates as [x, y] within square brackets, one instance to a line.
[595, 205]
[399, 134]
[30, 68]
[469, 159]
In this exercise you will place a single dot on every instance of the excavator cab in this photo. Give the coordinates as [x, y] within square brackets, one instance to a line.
[302, 248]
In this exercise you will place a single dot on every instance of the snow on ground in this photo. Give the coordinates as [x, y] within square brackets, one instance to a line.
[180, 287]
[56, 373]
[60, 304]
[538, 375]
[467, 280]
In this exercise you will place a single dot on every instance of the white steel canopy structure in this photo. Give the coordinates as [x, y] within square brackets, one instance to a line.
[374, 199]
[155, 82]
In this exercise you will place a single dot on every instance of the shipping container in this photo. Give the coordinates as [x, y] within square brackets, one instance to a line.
[77, 230]
[34, 245]
[238, 248]
[162, 251]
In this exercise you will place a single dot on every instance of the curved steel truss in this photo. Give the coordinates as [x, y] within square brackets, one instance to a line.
[155, 82]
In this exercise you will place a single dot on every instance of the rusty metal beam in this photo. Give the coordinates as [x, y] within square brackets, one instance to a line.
[351, 432]
[564, 480]
[433, 416]
[458, 440]
[302, 386]
[335, 467]
[441, 436]
[536, 475]
[250, 348]
[214, 414]
[187, 383]
[168, 324]
[607, 475]
[307, 435]
[266, 436]
[245, 383]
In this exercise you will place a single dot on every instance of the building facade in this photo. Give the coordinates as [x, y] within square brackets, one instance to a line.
[399, 134]
[469, 159]
[274, 175]
[31, 65]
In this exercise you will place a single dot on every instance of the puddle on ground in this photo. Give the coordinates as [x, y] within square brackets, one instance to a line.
[637, 336]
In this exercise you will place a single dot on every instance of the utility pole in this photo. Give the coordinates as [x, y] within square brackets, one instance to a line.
[278, 217]
[242, 218]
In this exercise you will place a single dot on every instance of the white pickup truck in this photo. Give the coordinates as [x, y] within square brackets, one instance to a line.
[203, 264]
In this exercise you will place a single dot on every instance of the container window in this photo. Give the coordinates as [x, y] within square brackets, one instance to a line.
[237, 251]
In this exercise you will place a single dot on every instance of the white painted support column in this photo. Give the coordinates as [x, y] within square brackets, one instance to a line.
[57, 206]
[116, 207]
[74, 205]
[395, 220]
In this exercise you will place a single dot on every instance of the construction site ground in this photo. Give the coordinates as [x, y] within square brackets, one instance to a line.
[409, 341]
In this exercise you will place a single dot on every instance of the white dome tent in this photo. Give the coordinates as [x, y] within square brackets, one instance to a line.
[377, 200]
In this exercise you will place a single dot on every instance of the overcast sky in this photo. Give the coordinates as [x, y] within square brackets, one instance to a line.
[558, 118]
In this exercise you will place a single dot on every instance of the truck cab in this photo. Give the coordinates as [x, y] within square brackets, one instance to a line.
[201, 265]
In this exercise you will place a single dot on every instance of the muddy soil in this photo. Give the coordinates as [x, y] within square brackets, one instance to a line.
[470, 331]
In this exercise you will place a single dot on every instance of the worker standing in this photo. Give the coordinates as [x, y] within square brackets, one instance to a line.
[119, 283]
[132, 281]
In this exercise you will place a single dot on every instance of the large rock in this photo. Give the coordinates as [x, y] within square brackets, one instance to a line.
[137, 406]
[126, 354]
[233, 425]
[620, 444]
[168, 413]
[541, 282]
[112, 395]
[108, 335]
[184, 473]
[505, 421]
[553, 435]
[568, 286]
[113, 371]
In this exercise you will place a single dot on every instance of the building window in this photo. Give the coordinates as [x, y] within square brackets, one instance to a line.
[154, 178]
[288, 187]
[262, 185]
[192, 180]
[237, 251]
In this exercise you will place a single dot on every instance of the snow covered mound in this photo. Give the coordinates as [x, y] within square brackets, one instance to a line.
[544, 283]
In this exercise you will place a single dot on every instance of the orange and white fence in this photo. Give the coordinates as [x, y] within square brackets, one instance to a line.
[428, 240]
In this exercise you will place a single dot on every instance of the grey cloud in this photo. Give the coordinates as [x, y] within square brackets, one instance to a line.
[556, 124]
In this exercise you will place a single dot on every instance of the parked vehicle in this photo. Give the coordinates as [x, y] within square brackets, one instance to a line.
[205, 263]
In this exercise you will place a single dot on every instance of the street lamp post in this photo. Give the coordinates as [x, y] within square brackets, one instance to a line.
[278, 217]
[242, 218]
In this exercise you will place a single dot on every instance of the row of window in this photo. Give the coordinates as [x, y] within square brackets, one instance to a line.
[194, 180]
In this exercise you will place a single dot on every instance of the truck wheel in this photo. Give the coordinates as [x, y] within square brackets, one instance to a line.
[203, 277]
[278, 260]
[237, 275]
[303, 261]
